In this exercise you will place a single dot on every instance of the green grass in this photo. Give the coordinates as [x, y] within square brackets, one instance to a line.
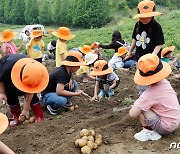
[169, 22]
[7, 26]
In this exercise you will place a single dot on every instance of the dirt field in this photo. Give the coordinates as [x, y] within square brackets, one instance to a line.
[56, 134]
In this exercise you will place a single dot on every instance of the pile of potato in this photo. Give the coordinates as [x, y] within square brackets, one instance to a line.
[26, 121]
[89, 141]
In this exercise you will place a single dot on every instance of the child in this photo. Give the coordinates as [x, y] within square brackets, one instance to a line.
[176, 62]
[117, 42]
[61, 87]
[166, 53]
[22, 76]
[147, 35]
[84, 71]
[117, 61]
[63, 34]
[4, 124]
[8, 47]
[106, 79]
[157, 108]
[27, 37]
[36, 45]
[51, 47]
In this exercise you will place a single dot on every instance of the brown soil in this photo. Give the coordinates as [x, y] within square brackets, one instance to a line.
[56, 134]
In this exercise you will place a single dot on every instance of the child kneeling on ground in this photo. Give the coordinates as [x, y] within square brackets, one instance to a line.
[84, 71]
[61, 87]
[157, 108]
[106, 79]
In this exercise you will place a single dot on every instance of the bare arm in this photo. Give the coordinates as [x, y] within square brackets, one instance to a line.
[157, 49]
[28, 50]
[90, 76]
[26, 106]
[42, 50]
[20, 47]
[62, 56]
[135, 112]
[4, 149]
[96, 88]
[61, 91]
[113, 85]
[133, 45]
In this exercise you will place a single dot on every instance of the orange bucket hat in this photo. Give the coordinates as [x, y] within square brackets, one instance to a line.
[29, 75]
[151, 70]
[7, 35]
[101, 68]
[36, 33]
[95, 45]
[86, 49]
[146, 8]
[3, 122]
[63, 33]
[74, 58]
[121, 51]
[167, 51]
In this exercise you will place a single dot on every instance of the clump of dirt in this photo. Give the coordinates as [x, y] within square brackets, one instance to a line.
[56, 134]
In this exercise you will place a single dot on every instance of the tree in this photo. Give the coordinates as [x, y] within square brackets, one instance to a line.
[2, 11]
[17, 12]
[31, 12]
[44, 13]
[7, 10]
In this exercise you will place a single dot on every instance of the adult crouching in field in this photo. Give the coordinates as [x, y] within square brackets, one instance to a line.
[63, 35]
[157, 108]
[22, 76]
[8, 47]
[61, 87]
[4, 124]
[36, 45]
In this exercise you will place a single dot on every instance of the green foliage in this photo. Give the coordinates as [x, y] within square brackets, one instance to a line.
[44, 13]
[2, 11]
[17, 12]
[7, 10]
[31, 12]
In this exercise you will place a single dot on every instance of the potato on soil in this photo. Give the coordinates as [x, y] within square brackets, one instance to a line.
[82, 142]
[71, 108]
[98, 135]
[95, 146]
[77, 143]
[85, 150]
[92, 132]
[76, 107]
[90, 144]
[32, 119]
[85, 137]
[90, 138]
[84, 132]
[98, 141]
[22, 118]
[26, 122]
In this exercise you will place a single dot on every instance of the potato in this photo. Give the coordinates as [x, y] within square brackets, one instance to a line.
[76, 107]
[85, 150]
[26, 122]
[98, 135]
[82, 142]
[22, 118]
[92, 132]
[71, 108]
[90, 138]
[32, 119]
[85, 137]
[90, 144]
[95, 146]
[84, 132]
[77, 143]
[98, 141]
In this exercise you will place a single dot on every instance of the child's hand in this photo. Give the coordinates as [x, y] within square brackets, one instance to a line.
[25, 113]
[78, 92]
[3, 97]
[95, 97]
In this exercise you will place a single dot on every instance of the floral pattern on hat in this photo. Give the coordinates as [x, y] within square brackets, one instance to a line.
[142, 40]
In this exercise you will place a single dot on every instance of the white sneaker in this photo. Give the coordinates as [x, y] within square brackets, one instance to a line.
[146, 135]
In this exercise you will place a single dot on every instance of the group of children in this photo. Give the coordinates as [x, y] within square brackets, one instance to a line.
[157, 108]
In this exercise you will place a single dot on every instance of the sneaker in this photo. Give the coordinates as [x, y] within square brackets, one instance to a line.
[110, 92]
[146, 135]
[68, 104]
[52, 111]
[101, 93]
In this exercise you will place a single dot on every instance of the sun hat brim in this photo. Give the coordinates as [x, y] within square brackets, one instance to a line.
[99, 73]
[146, 15]
[148, 80]
[95, 56]
[3, 122]
[16, 71]
[69, 37]
[120, 54]
[9, 38]
[69, 63]
[85, 52]
[36, 36]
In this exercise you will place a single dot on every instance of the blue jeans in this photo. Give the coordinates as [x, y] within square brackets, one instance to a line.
[56, 101]
[129, 63]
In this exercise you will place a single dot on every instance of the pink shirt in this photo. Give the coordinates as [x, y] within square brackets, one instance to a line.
[161, 98]
[12, 48]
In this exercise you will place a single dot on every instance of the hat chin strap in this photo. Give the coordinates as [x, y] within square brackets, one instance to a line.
[149, 73]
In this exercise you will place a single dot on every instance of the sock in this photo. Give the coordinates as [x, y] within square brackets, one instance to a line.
[147, 127]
